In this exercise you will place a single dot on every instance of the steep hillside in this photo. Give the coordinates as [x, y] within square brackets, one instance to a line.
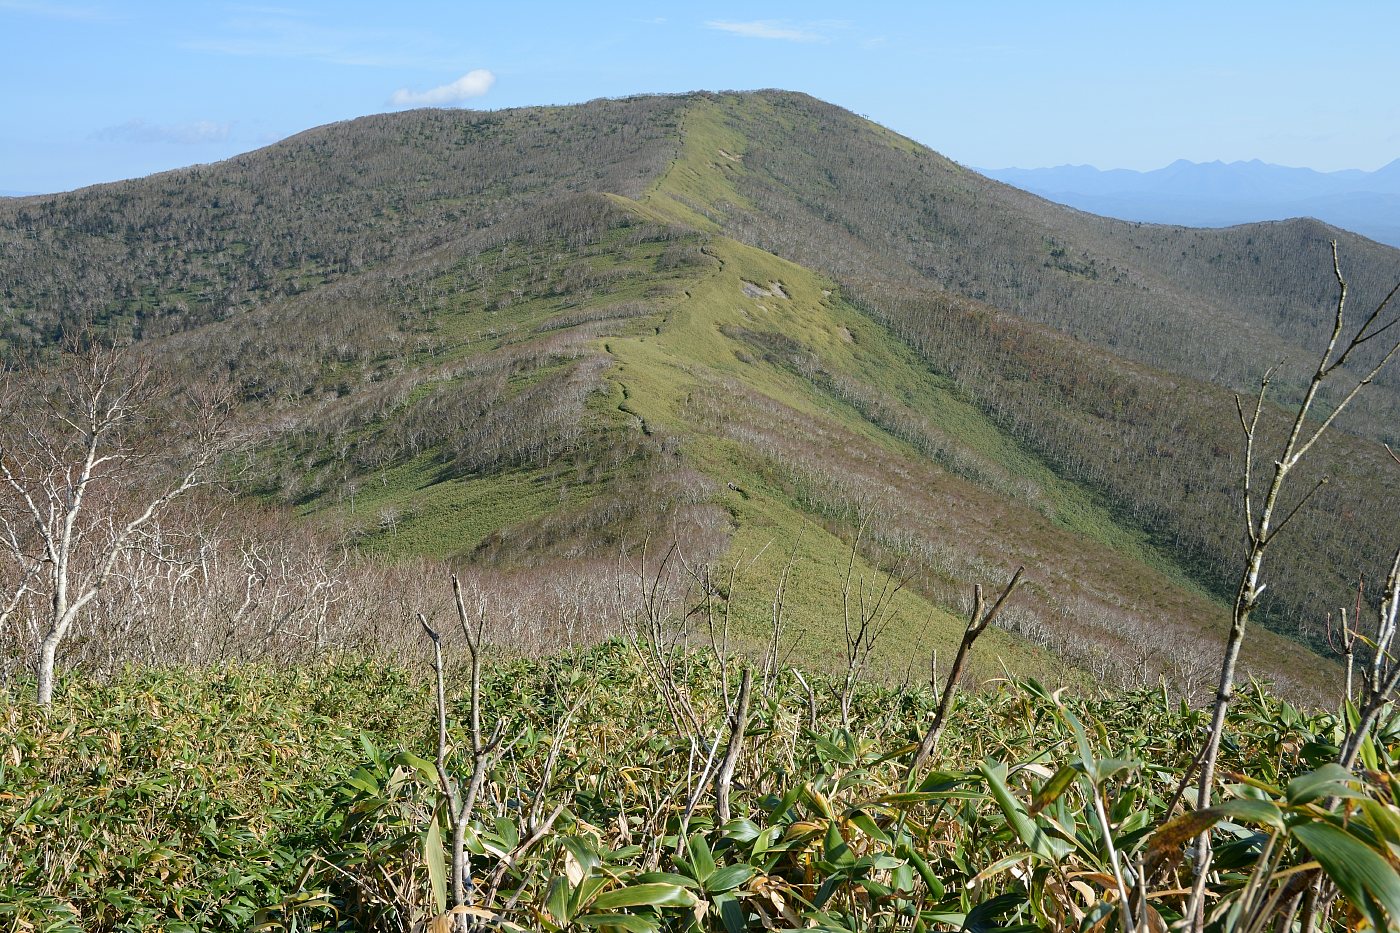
[1158, 447]
[928, 248]
[188, 247]
[670, 383]
[753, 325]
[835, 192]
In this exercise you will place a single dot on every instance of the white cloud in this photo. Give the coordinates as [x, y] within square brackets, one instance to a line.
[767, 29]
[472, 84]
[141, 131]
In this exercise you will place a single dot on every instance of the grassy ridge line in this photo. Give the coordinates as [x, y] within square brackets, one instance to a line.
[693, 341]
[701, 172]
[695, 189]
[708, 164]
[660, 371]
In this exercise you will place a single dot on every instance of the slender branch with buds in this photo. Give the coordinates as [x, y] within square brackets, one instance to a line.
[980, 618]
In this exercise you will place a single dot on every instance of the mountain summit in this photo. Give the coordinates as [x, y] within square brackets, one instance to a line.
[753, 324]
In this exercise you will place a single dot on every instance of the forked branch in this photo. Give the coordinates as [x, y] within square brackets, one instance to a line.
[460, 806]
[977, 623]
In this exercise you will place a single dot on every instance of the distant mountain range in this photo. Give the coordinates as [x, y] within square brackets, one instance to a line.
[1220, 194]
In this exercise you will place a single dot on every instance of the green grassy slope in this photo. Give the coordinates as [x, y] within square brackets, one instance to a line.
[963, 268]
[836, 192]
[996, 504]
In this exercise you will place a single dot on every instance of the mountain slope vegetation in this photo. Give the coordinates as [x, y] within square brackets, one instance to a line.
[755, 325]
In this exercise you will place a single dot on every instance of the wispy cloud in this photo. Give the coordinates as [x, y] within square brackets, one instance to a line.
[185, 134]
[472, 84]
[768, 29]
[264, 9]
[278, 32]
[53, 10]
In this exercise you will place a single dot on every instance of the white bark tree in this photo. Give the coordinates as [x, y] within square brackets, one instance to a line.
[78, 488]
[1264, 514]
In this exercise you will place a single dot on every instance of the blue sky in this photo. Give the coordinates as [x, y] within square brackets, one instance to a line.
[92, 90]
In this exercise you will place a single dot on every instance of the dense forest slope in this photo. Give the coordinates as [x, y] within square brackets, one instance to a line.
[186, 247]
[753, 324]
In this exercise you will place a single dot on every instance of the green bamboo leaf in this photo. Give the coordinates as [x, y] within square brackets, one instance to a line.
[362, 780]
[702, 862]
[925, 872]
[583, 851]
[1384, 820]
[836, 850]
[1367, 752]
[507, 834]
[952, 918]
[585, 891]
[869, 826]
[985, 917]
[435, 858]
[902, 878]
[630, 923]
[1034, 837]
[1367, 879]
[940, 781]
[1096, 916]
[557, 902]
[830, 751]
[1081, 740]
[728, 878]
[731, 913]
[1251, 810]
[645, 895]
[1051, 790]
[909, 799]
[422, 765]
[741, 830]
[1108, 767]
[1331, 780]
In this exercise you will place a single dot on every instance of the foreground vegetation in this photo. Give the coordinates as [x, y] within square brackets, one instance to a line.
[306, 798]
